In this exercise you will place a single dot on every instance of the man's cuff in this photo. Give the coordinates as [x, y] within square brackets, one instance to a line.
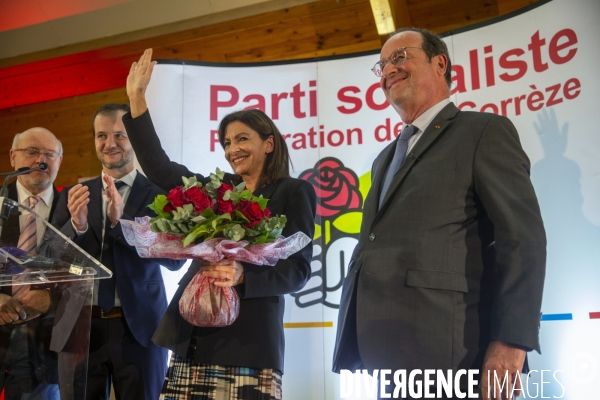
[79, 232]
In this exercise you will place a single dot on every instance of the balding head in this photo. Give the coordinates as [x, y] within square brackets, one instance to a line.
[49, 150]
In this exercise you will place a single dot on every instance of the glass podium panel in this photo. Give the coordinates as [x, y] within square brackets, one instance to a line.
[45, 310]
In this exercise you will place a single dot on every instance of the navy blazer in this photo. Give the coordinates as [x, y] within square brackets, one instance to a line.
[139, 280]
[256, 338]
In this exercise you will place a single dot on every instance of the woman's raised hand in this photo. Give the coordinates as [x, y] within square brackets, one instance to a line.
[137, 82]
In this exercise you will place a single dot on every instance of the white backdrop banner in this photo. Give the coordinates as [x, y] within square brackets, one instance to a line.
[536, 67]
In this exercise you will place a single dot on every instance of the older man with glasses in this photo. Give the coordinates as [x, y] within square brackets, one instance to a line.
[28, 367]
[449, 267]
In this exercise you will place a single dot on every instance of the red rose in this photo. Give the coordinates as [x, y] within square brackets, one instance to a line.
[199, 198]
[176, 197]
[336, 187]
[222, 189]
[168, 208]
[253, 213]
[225, 207]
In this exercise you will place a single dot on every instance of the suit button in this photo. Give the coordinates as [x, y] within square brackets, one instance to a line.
[371, 237]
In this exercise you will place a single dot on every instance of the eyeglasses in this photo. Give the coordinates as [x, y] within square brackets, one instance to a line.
[398, 57]
[32, 152]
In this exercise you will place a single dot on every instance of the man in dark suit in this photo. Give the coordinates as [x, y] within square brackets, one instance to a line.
[449, 268]
[28, 368]
[127, 308]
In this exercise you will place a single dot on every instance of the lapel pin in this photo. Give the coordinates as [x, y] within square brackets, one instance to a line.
[437, 127]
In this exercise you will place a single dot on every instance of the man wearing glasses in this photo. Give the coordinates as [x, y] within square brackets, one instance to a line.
[449, 268]
[28, 367]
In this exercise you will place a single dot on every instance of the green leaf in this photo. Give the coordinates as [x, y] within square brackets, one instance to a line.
[245, 195]
[349, 222]
[240, 188]
[262, 202]
[235, 233]
[193, 235]
[239, 215]
[208, 213]
[158, 206]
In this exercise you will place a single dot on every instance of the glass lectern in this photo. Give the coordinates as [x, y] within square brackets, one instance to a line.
[45, 309]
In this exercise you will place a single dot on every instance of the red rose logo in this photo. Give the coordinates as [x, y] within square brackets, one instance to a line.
[336, 187]
[199, 198]
[253, 212]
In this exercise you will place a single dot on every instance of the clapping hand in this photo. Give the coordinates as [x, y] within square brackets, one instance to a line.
[115, 201]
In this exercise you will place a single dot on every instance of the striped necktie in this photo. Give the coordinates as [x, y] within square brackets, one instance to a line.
[28, 238]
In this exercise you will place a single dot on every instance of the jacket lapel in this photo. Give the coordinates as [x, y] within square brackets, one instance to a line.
[433, 131]
[267, 190]
[54, 202]
[137, 195]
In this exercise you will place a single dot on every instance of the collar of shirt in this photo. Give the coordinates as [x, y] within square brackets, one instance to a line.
[423, 121]
[46, 195]
[127, 179]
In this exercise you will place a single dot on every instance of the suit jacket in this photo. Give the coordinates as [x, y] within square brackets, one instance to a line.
[40, 327]
[453, 259]
[256, 337]
[138, 280]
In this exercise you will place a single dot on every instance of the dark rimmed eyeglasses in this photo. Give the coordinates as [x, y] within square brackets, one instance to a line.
[398, 57]
[32, 152]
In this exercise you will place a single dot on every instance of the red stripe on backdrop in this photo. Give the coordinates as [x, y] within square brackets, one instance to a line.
[595, 315]
[62, 77]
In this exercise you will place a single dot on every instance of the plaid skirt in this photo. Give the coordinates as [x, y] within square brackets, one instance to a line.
[189, 380]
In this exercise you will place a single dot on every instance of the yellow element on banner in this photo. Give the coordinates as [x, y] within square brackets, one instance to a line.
[324, 324]
[364, 185]
[327, 231]
[349, 222]
[317, 232]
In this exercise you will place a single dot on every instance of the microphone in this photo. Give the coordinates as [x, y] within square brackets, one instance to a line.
[6, 207]
[21, 171]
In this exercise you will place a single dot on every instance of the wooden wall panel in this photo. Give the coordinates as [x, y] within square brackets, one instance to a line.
[322, 28]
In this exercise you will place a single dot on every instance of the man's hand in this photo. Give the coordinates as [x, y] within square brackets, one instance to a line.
[35, 302]
[10, 310]
[228, 272]
[500, 358]
[77, 202]
[137, 82]
[115, 201]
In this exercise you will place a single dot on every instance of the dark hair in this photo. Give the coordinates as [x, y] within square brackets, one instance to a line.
[109, 109]
[433, 45]
[277, 163]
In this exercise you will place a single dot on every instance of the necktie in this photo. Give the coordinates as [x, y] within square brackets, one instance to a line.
[27, 241]
[106, 291]
[399, 154]
[28, 237]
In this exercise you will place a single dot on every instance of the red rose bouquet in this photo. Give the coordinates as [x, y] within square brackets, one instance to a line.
[211, 222]
[196, 213]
